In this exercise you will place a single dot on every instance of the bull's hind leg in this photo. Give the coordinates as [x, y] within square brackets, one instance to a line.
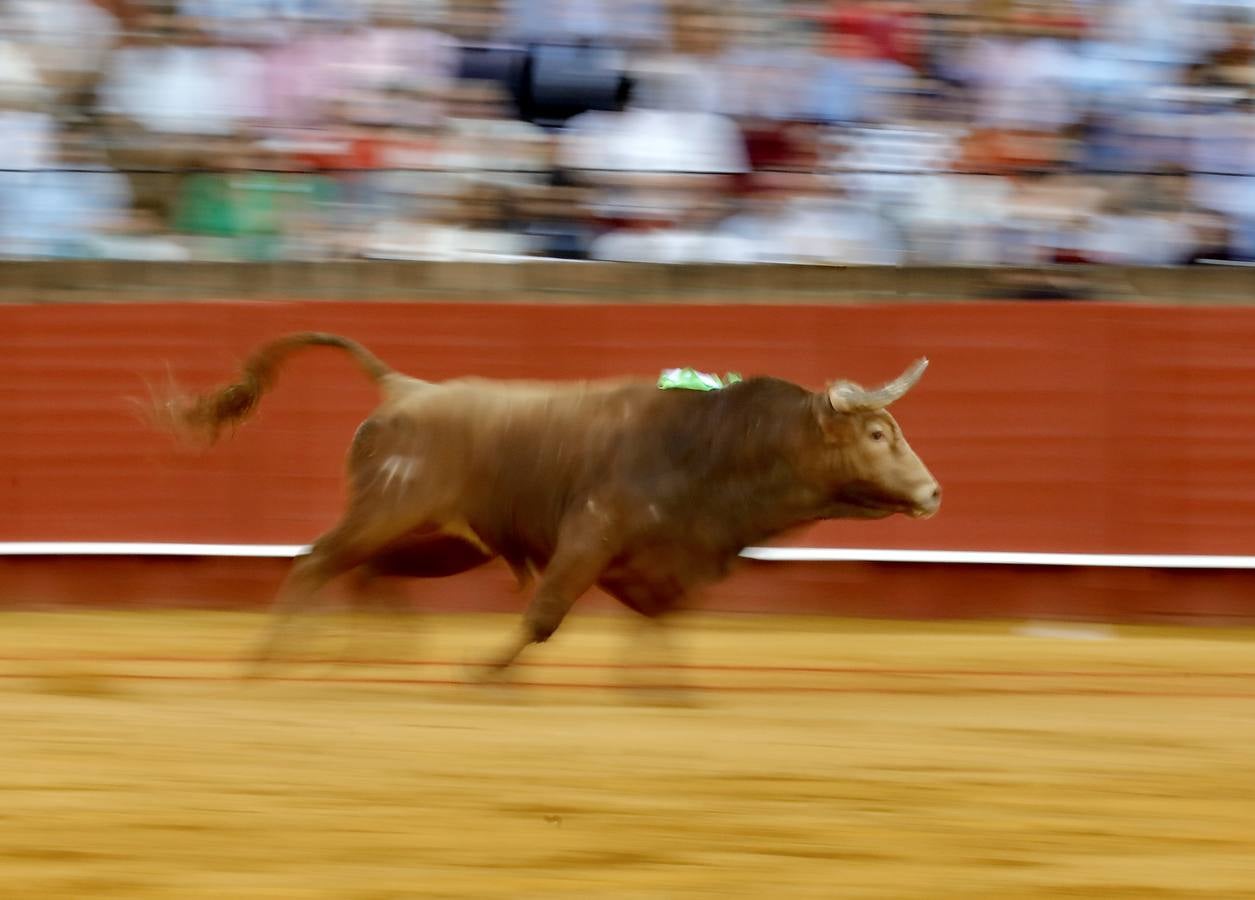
[384, 621]
[379, 599]
[350, 544]
[308, 576]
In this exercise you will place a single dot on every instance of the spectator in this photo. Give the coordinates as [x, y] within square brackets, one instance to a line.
[68, 42]
[657, 154]
[1044, 210]
[1022, 78]
[1212, 239]
[628, 129]
[557, 221]
[306, 74]
[957, 218]
[792, 218]
[69, 200]
[257, 22]
[21, 83]
[184, 84]
[167, 92]
[139, 234]
[249, 211]
[890, 30]
[470, 226]
[1123, 232]
[475, 21]
[693, 65]
[694, 236]
[1162, 33]
[855, 84]
[883, 164]
[1234, 61]
[627, 23]
[396, 49]
[482, 136]
[29, 136]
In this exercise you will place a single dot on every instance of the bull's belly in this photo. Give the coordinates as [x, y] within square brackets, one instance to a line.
[655, 580]
[430, 554]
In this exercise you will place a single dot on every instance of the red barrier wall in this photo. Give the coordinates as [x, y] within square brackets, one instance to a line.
[1096, 428]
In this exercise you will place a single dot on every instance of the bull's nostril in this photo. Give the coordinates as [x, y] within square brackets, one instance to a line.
[936, 494]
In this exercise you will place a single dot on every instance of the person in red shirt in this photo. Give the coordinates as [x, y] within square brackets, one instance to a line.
[889, 27]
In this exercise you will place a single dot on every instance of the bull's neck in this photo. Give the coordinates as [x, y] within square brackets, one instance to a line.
[760, 507]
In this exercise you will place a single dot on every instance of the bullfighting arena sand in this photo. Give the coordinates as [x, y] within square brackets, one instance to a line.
[818, 758]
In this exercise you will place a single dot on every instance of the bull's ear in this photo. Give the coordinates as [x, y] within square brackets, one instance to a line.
[846, 396]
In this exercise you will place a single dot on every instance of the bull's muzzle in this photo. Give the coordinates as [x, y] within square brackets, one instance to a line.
[927, 502]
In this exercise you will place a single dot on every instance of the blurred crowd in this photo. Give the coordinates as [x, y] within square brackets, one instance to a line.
[724, 131]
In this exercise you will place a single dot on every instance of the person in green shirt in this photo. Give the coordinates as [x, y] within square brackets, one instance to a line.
[252, 210]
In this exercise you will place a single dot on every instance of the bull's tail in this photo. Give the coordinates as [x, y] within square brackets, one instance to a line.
[202, 417]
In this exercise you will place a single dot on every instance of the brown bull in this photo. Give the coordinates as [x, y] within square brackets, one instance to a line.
[646, 493]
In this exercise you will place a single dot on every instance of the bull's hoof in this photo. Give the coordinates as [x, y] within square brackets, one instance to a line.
[488, 674]
[260, 664]
[255, 670]
[667, 696]
[491, 684]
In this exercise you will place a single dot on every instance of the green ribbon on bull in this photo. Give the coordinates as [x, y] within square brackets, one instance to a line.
[693, 380]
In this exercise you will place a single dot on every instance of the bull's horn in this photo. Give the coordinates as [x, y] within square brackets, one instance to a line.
[846, 396]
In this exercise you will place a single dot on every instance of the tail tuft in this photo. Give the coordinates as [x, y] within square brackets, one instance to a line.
[201, 419]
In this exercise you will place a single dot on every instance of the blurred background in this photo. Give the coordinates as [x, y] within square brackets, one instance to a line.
[1018, 698]
[784, 131]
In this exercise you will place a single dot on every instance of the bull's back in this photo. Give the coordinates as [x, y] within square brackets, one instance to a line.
[506, 459]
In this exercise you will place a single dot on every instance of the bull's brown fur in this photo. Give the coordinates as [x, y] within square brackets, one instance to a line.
[646, 493]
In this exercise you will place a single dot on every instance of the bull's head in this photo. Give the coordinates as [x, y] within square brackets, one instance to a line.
[877, 472]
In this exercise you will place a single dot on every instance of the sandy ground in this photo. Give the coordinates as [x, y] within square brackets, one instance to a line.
[819, 759]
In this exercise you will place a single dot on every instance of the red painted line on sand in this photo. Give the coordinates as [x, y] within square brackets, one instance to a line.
[725, 688]
[682, 667]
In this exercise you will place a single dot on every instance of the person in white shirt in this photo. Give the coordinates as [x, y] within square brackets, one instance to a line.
[1122, 235]
[137, 235]
[189, 86]
[803, 218]
[654, 157]
[29, 138]
[1023, 80]
[467, 226]
[957, 218]
[483, 137]
[68, 40]
[48, 212]
[695, 237]
[21, 83]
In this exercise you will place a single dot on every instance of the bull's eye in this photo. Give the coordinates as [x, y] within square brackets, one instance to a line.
[878, 435]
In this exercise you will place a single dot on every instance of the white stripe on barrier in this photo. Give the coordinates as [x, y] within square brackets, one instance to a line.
[765, 554]
[111, 548]
[999, 558]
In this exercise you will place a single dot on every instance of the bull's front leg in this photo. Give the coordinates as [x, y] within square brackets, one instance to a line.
[653, 669]
[584, 549]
